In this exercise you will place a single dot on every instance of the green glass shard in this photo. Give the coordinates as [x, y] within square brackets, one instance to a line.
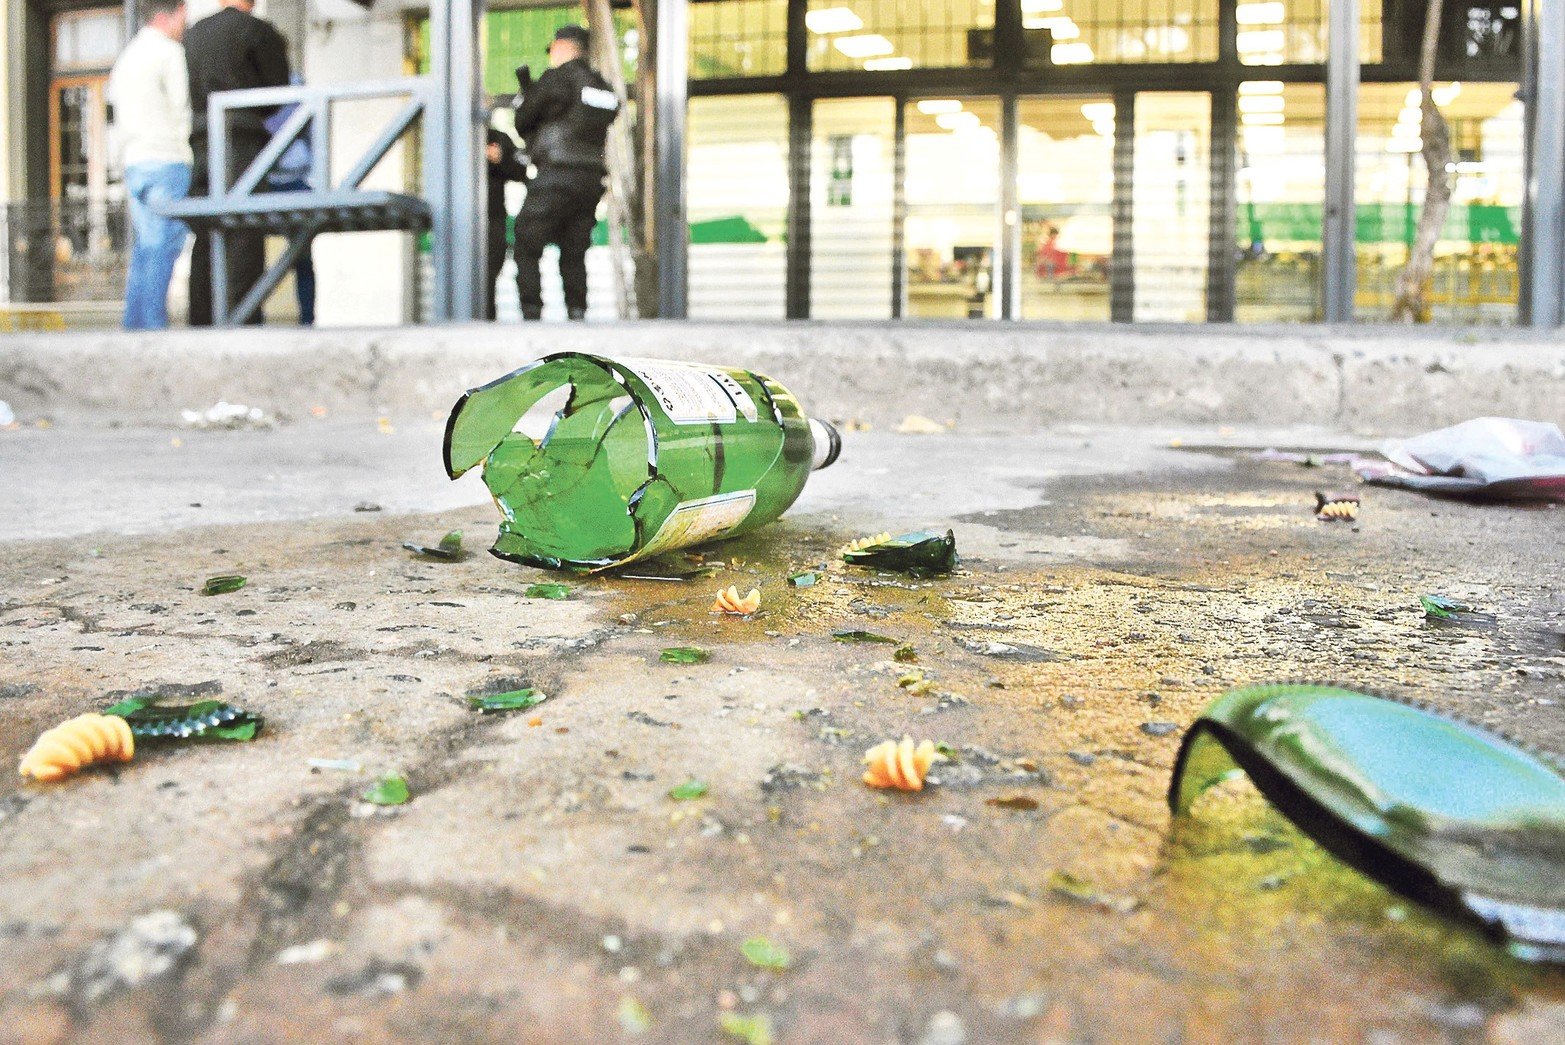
[223, 584]
[863, 636]
[920, 552]
[1443, 811]
[752, 1030]
[388, 791]
[764, 954]
[684, 655]
[449, 549]
[203, 720]
[688, 791]
[633, 1016]
[514, 700]
[905, 654]
[548, 591]
[803, 580]
[1439, 607]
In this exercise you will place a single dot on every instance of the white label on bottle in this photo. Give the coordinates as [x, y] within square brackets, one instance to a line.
[692, 395]
[693, 522]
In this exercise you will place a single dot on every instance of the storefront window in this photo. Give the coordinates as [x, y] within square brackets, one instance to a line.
[1171, 196]
[1065, 183]
[1280, 184]
[1084, 32]
[952, 191]
[880, 35]
[852, 199]
[737, 188]
[1287, 32]
[738, 38]
[1475, 270]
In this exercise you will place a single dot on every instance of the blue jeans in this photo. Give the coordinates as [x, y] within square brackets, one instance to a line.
[155, 241]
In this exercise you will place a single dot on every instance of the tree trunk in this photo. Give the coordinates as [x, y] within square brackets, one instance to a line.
[624, 228]
[1412, 297]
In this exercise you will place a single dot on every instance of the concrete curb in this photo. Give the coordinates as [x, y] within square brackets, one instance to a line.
[984, 377]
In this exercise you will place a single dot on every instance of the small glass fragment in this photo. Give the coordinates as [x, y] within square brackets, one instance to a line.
[900, 765]
[856, 635]
[684, 655]
[203, 720]
[1067, 885]
[388, 791]
[905, 654]
[633, 1016]
[449, 549]
[341, 765]
[548, 591]
[513, 700]
[919, 552]
[688, 791]
[1022, 802]
[76, 743]
[1439, 607]
[732, 603]
[764, 954]
[752, 1030]
[223, 584]
[803, 580]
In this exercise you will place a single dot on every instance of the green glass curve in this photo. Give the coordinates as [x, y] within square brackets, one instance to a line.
[1444, 811]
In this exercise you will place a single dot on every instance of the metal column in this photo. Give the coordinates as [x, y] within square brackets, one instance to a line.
[668, 205]
[801, 132]
[1009, 271]
[1122, 262]
[1340, 216]
[454, 158]
[1543, 208]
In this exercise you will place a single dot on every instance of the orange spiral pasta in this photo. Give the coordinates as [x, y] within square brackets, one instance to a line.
[859, 544]
[77, 743]
[901, 766]
[730, 602]
[1336, 507]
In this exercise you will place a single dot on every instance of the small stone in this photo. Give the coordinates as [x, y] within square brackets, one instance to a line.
[945, 1028]
[1159, 729]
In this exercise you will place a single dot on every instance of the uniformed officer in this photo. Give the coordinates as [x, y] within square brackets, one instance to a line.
[565, 118]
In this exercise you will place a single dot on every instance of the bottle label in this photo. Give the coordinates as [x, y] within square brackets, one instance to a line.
[691, 395]
[693, 522]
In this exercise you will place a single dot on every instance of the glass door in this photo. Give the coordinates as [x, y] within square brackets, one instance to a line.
[951, 228]
[852, 207]
[1171, 198]
[1065, 185]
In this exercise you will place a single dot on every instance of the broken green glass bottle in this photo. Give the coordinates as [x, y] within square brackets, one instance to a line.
[597, 462]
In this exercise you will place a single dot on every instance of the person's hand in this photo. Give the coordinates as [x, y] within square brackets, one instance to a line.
[493, 152]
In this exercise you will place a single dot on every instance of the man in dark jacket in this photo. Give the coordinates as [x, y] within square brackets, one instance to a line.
[565, 118]
[502, 165]
[229, 51]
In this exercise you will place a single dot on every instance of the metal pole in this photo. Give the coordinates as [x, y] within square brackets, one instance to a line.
[673, 88]
[801, 123]
[1340, 217]
[437, 171]
[1009, 270]
[899, 211]
[1542, 266]
[1221, 264]
[1122, 262]
[468, 186]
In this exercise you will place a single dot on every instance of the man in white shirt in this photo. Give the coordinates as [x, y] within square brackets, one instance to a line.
[150, 91]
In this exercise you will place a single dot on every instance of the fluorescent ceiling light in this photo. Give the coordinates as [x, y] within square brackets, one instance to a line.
[1071, 54]
[833, 20]
[1105, 128]
[870, 45]
[1262, 119]
[1447, 94]
[1405, 145]
[1260, 14]
[953, 121]
[1260, 103]
[1261, 87]
[881, 65]
[1041, 7]
[1095, 111]
[1060, 27]
[1262, 40]
[931, 106]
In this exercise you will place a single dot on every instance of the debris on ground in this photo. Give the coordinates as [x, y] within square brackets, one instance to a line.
[226, 415]
[918, 424]
[306, 953]
[858, 635]
[905, 654]
[900, 765]
[1309, 460]
[223, 584]
[1443, 610]
[1070, 887]
[449, 549]
[689, 791]
[149, 947]
[919, 552]
[1025, 803]
[367, 506]
[633, 1016]
[730, 602]
[1489, 458]
[7, 417]
[803, 580]
[388, 791]
[342, 765]
[752, 1030]
[684, 655]
[555, 592]
[203, 720]
[1336, 507]
[764, 954]
[77, 743]
[860, 543]
[512, 700]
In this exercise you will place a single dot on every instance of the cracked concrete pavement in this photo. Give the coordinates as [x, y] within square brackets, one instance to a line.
[542, 885]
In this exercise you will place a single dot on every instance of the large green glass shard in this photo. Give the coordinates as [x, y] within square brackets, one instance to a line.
[222, 585]
[923, 551]
[596, 463]
[513, 700]
[203, 720]
[1443, 811]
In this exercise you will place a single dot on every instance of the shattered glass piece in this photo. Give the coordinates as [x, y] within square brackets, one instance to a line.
[203, 720]
[688, 791]
[752, 1030]
[596, 463]
[684, 655]
[1442, 811]
[633, 1016]
[856, 635]
[919, 552]
[1021, 802]
[341, 765]
[548, 591]
[449, 549]
[1069, 886]
[803, 580]
[223, 584]
[388, 791]
[1439, 607]
[514, 700]
[905, 654]
[764, 954]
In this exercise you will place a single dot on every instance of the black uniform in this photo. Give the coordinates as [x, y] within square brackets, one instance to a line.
[229, 51]
[565, 118]
[508, 168]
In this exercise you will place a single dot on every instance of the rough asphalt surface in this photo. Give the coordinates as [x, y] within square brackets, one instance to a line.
[542, 885]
